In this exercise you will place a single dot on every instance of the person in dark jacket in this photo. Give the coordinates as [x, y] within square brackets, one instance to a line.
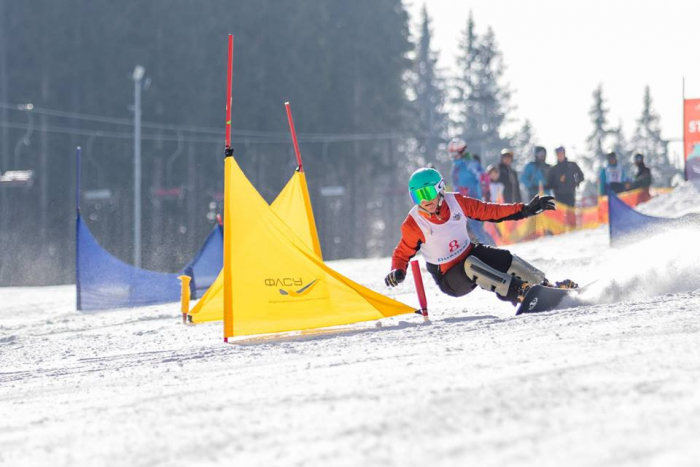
[643, 177]
[564, 178]
[509, 178]
[534, 175]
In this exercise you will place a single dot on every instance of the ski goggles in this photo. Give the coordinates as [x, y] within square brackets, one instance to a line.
[427, 193]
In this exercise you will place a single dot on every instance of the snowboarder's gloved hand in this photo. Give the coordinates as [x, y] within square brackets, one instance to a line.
[539, 204]
[394, 278]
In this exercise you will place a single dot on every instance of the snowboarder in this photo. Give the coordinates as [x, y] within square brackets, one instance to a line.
[436, 225]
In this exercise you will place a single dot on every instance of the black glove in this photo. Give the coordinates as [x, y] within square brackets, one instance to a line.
[394, 278]
[539, 204]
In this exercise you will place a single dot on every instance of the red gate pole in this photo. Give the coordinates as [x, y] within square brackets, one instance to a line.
[294, 135]
[418, 279]
[228, 90]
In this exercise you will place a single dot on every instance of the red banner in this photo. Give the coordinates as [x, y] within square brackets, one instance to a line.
[691, 137]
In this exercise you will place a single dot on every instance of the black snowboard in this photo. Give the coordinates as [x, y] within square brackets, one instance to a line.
[543, 298]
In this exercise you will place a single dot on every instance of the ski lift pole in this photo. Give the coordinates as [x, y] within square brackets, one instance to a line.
[78, 157]
[420, 290]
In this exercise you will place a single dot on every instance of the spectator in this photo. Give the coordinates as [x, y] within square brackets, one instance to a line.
[495, 187]
[534, 177]
[476, 227]
[465, 171]
[643, 177]
[692, 164]
[642, 180]
[509, 178]
[484, 180]
[564, 178]
[613, 177]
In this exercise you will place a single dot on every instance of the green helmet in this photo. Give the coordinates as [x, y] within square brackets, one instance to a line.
[425, 185]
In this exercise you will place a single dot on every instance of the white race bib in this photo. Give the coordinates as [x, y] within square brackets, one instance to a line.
[613, 174]
[443, 242]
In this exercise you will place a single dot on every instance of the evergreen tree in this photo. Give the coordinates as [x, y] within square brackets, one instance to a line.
[429, 90]
[596, 141]
[368, 63]
[647, 140]
[617, 142]
[483, 101]
[523, 146]
[464, 83]
[342, 65]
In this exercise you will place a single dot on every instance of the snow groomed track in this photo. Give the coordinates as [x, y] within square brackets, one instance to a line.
[614, 383]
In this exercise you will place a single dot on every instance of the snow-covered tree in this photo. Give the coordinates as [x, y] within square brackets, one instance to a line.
[428, 88]
[647, 141]
[599, 118]
[523, 146]
[596, 142]
[617, 142]
[466, 118]
[481, 99]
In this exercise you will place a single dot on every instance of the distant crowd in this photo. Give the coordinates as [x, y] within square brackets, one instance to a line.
[501, 183]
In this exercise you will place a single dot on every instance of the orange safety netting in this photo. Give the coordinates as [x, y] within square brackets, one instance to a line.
[563, 219]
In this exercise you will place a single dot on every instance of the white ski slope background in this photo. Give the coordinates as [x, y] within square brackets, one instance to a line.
[615, 383]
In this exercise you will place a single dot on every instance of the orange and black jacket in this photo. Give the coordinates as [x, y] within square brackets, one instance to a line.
[412, 236]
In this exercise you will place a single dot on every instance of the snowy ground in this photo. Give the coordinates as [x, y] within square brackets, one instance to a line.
[608, 384]
[684, 200]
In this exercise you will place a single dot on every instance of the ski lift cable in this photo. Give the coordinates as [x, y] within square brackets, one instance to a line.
[334, 138]
[196, 129]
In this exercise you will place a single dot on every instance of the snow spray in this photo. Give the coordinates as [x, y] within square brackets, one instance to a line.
[666, 263]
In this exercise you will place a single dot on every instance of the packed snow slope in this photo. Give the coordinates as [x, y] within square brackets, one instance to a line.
[685, 199]
[613, 383]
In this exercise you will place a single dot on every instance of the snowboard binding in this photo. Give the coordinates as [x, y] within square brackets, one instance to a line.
[565, 284]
